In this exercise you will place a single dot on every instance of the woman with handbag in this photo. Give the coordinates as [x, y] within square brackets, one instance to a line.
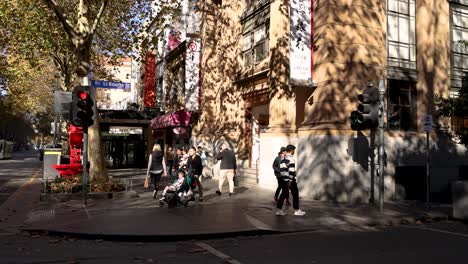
[156, 167]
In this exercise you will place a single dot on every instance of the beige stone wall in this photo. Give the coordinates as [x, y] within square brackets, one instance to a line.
[349, 51]
[222, 108]
[433, 53]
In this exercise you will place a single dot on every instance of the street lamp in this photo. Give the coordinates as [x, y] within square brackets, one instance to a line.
[381, 147]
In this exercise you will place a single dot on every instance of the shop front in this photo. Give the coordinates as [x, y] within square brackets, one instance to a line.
[172, 129]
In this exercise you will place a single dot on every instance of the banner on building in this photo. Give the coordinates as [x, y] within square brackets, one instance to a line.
[192, 75]
[301, 41]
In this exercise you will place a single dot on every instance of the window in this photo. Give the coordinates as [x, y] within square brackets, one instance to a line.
[255, 28]
[401, 36]
[459, 28]
[402, 114]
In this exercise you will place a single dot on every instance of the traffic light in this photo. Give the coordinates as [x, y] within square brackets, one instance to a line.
[367, 114]
[82, 107]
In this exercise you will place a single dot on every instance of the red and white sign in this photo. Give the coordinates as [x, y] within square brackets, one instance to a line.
[179, 130]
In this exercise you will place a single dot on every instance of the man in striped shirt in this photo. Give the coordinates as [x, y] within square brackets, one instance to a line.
[288, 174]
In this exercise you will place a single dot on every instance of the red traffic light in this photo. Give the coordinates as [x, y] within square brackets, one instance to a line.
[82, 95]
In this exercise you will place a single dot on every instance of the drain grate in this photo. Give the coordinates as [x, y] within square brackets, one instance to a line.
[40, 216]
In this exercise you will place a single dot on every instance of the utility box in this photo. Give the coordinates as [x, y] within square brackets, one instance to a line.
[460, 199]
[51, 157]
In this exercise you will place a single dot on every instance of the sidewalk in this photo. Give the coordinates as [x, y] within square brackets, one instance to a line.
[249, 212]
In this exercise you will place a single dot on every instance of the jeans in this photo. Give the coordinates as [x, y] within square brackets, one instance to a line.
[169, 165]
[196, 178]
[278, 189]
[155, 179]
[285, 191]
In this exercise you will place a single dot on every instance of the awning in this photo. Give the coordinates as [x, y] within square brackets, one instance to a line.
[178, 118]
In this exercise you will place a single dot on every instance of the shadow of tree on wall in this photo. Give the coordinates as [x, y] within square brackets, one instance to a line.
[222, 113]
[334, 163]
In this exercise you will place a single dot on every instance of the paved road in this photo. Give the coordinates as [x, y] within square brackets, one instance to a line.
[16, 171]
[444, 242]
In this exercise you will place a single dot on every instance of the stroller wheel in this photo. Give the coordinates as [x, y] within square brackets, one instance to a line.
[161, 204]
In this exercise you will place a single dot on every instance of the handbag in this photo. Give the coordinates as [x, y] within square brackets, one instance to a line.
[236, 180]
[146, 184]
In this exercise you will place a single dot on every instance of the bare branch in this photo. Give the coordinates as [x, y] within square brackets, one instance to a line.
[98, 17]
[62, 17]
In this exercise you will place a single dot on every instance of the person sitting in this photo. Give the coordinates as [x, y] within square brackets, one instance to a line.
[178, 190]
[177, 185]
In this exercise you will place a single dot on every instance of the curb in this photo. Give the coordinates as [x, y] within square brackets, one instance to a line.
[155, 238]
[65, 197]
[408, 219]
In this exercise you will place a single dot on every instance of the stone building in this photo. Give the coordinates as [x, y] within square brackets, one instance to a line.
[254, 94]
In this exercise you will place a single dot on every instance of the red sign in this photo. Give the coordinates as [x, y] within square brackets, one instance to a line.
[193, 46]
[150, 80]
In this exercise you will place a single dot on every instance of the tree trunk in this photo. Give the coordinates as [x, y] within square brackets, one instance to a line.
[97, 170]
[95, 151]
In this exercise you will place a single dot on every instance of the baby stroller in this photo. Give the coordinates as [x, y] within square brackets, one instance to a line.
[180, 197]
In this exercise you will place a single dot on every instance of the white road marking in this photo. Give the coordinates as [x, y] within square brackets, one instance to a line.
[437, 230]
[217, 253]
[355, 217]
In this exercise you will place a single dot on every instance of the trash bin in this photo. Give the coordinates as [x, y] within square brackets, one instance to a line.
[460, 199]
[51, 157]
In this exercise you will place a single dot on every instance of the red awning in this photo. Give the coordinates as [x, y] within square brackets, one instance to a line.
[178, 118]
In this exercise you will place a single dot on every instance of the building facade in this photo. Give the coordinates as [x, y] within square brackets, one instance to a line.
[257, 93]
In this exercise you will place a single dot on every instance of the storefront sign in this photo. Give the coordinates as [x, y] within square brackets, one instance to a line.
[301, 40]
[179, 130]
[192, 75]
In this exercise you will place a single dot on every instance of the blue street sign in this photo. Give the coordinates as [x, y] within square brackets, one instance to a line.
[110, 85]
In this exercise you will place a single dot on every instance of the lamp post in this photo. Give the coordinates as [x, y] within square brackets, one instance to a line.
[57, 88]
[381, 147]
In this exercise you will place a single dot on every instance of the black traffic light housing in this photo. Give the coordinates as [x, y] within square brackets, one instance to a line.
[82, 107]
[366, 116]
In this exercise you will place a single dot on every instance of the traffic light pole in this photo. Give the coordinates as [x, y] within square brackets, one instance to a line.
[84, 180]
[381, 147]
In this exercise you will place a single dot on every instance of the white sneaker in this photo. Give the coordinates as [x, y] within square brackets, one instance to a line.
[299, 212]
[280, 212]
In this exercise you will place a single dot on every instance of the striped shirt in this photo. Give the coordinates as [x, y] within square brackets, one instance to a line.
[288, 168]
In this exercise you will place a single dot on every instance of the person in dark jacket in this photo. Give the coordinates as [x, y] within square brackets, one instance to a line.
[195, 168]
[156, 167]
[277, 171]
[178, 159]
[228, 168]
[170, 159]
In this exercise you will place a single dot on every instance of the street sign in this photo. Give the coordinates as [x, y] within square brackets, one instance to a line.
[427, 123]
[111, 85]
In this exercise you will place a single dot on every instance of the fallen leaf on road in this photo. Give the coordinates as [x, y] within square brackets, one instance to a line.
[54, 241]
